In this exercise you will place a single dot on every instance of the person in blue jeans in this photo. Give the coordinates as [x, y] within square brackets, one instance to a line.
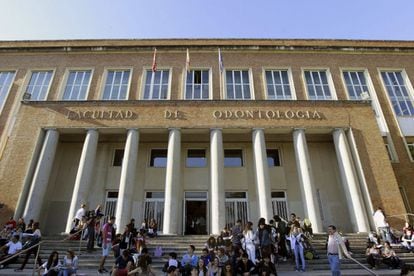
[335, 249]
[296, 239]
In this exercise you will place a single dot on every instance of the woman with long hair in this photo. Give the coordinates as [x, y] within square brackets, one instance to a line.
[52, 265]
[248, 242]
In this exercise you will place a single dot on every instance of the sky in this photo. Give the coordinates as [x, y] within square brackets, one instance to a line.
[137, 19]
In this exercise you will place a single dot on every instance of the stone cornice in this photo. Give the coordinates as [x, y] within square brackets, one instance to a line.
[207, 45]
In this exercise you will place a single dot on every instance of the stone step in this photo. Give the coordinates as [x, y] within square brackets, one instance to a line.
[89, 261]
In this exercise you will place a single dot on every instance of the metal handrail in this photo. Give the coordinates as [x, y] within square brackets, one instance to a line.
[363, 266]
[33, 246]
[20, 252]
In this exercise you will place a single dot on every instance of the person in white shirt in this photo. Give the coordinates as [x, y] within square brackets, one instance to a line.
[382, 225]
[12, 247]
[335, 250]
[248, 241]
[81, 212]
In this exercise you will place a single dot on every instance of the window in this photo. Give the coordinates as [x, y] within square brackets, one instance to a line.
[156, 85]
[6, 79]
[197, 85]
[277, 83]
[273, 159]
[77, 85]
[116, 85]
[158, 158]
[355, 84]
[39, 85]
[398, 93]
[196, 158]
[279, 204]
[118, 157]
[410, 146]
[238, 84]
[317, 85]
[233, 158]
[390, 155]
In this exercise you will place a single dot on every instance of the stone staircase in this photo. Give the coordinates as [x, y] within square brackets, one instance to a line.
[89, 261]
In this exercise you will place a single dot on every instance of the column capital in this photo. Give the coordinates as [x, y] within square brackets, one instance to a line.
[132, 128]
[216, 128]
[340, 128]
[299, 128]
[50, 128]
[258, 128]
[174, 128]
[91, 128]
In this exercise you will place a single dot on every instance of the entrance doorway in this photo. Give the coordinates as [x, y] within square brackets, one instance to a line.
[195, 222]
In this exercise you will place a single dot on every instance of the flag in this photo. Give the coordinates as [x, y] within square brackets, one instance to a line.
[187, 62]
[154, 61]
[221, 65]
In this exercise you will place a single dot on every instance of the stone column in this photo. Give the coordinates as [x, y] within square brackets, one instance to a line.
[83, 176]
[41, 176]
[262, 174]
[126, 185]
[350, 183]
[306, 180]
[217, 201]
[172, 183]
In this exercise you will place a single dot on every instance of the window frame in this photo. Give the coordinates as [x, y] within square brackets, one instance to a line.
[205, 157]
[367, 81]
[2, 105]
[144, 77]
[409, 142]
[103, 82]
[408, 85]
[279, 151]
[65, 79]
[113, 157]
[29, 76]
[150, 157]
[210, 83]
[251, 85]
[331, 85]
[243, 159]
[290, 78]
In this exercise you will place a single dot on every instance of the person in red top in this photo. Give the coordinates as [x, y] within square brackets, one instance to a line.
[11, 223]
[107, 237]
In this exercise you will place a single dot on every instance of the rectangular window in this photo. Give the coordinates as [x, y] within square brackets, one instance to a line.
[158, 158]
[273, 158]
[118, 157]
[233, 158]
[156, 85]
[197, 85]
[196, 158]
[355, 84]
[398, 93]
[77, 85]
[277, 83]
[410, 146]
[39, 85]
[238, 84]
[116, 85]
[317, 85]
[6, 79]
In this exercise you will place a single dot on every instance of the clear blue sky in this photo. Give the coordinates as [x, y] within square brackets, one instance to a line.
[94, 19]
